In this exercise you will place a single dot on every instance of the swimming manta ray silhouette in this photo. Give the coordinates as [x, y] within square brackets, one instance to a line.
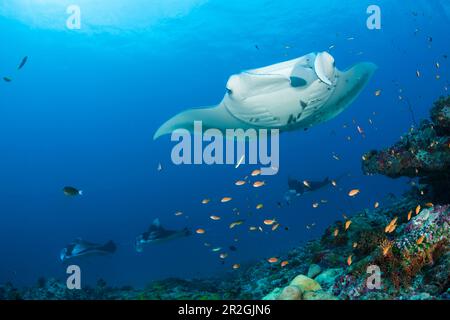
[290, 95]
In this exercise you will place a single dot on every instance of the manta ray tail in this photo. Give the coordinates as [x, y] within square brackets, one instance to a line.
[216, 117]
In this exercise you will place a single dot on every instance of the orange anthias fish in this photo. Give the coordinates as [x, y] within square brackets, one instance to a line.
[273, 260]
[409, 215]
[256, 172]
[336, 232]
[200, 231]
[240, 183]
[284, 263]
[420, 240]
[418, 209]
[258, 184]
[215, 218]
[353, 192]
[205, 201]
[429, 204]
[347, 224]
[236, 266]
[226, 199]
[275, 226]
[386, 245]
[391, 226]
[376, 205]
[269, 222]
[349, 260]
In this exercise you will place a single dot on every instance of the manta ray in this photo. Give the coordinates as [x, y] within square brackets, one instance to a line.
[291, 95]
[158, 234]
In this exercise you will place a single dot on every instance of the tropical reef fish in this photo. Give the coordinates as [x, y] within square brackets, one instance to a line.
[291, 95]
[71, 191]
[157, 234]
[80, 248]
[272, 260]
[22, 63]
[236, 223]
[7, 79]
[258, 184]
[226, 199]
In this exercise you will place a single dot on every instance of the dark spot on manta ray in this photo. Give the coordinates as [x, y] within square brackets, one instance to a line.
[297, 82]
[303, 104]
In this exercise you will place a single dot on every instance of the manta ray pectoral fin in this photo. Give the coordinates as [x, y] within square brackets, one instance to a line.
[349, 85]
[216, 117]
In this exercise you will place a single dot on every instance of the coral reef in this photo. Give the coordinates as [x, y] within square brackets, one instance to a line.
[400, 251]
[423, 153]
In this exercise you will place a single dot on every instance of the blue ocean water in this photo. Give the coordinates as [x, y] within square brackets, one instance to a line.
[84, 109]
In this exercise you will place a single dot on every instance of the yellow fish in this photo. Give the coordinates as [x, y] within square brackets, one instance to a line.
[347, 224]
[236, 223]
[259, 206]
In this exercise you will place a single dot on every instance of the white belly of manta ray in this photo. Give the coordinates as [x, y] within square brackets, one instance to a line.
[290, 95]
